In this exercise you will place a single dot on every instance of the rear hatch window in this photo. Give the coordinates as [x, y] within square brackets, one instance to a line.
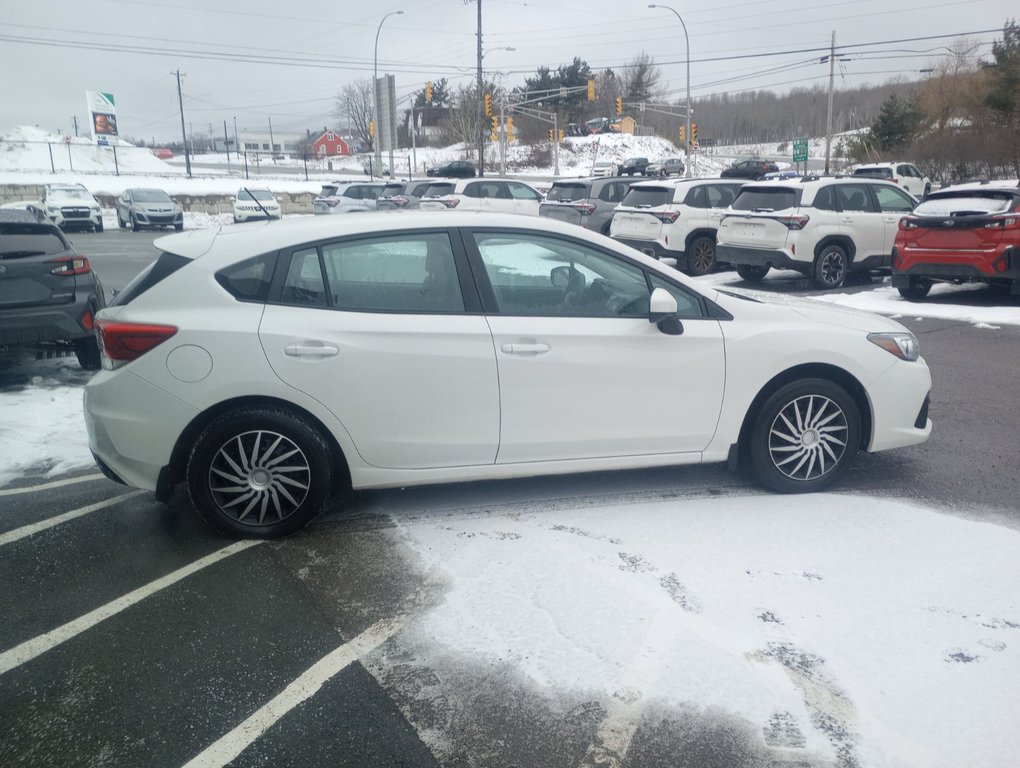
[438, 189]
[157, 271]
[874, 173]
[392, 189]
[22, 240]
[766, 199]
[966, 204]
[647, 197]
[567, 193]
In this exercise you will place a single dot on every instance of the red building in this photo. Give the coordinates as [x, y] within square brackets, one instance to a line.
[329, 144]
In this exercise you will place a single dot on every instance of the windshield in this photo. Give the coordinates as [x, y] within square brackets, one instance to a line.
[965, 203]
[565, 193]
[647, 197]
[150, 196]
[874, 173]
[765, 199]
[257, 194]
[73, 193]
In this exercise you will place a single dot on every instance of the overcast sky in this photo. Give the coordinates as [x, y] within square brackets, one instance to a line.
[52, 52]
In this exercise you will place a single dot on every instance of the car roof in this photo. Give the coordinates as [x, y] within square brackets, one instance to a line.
[267, 237]
[677, 182]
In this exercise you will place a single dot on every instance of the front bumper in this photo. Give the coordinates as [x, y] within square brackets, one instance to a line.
[75, 217]
[900, 400]
[159, 219]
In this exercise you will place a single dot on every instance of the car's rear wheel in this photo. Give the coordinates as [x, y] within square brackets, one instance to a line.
[87, 352]
[916, 289]
[701, 256]
[259, 472]
[831, 266]
[752, 273]
[805, 436]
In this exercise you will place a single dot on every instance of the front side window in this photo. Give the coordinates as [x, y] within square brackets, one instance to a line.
[854, 197]
[399, 273]
[545, 276]
[892, 199]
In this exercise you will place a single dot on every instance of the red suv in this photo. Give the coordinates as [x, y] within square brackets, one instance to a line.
[959, 235]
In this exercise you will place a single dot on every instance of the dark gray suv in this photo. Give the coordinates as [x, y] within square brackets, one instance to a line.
[589, 202]
[49, 294]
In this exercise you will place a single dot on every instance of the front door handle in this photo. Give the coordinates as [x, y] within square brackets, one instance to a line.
[519, 348]
[311, 349]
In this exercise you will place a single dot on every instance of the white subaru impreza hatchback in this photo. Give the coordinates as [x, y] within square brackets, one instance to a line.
[268, 367]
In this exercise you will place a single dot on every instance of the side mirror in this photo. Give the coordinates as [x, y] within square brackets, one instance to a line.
[560, 277]
[662, 309]
[669, 261]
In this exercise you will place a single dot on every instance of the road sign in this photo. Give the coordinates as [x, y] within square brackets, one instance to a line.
[800, 150]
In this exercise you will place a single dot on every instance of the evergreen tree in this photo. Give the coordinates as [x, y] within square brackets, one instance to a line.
[1003, 97]
[897, 122]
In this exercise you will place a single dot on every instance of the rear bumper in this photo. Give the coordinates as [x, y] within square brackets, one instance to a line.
[758, 257]
[655, 249]
[1003, 263]
[34, 325]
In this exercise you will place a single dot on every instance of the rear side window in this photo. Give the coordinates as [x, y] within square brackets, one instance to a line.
[964, 204]
[766, 199]
[566, 193]
[159, 270]
[248, 280]
[30, 240]
[648, 197]
[614, 191]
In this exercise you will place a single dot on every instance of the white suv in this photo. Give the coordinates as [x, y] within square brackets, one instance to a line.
[488, 194]
[71, 205]
[348, 197]
[255, 203]
[675, 220]
[904, 174]
[822, 227]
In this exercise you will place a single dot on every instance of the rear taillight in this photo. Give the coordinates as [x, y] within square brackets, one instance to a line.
[70, 265]
[333, 203]
[586, 209]
[908, 223]
[1003, 222]
[895, 181]
[798, 221]
[399, 201]
[451, 202]
[120, 343]
[87, 321]
[667, 217]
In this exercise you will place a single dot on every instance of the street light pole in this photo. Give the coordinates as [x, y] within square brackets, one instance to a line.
[687, 42]
[376, 144]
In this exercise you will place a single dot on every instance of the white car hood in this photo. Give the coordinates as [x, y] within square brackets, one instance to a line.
[824, 312]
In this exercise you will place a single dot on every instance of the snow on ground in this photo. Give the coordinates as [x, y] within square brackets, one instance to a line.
[880, 631]
[28, 148]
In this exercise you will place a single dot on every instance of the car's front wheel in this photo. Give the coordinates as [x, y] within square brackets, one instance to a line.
[831, 266]
[259, 472]
[701, 256]
[752, 273]
[99, 226]
[135, 226]
[916, 289]
[805, 436]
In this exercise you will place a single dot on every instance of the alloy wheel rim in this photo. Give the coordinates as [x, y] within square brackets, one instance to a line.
[259, 478]
[832, 267]
[704, 257]
[808, 437]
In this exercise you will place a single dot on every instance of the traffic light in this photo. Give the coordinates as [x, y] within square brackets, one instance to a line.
[562, 134]
[509, 128]
[619, 105]
[494, 133]
[428, 91]
[694, 133]
[371, 128]
[591, 90]
[682, 130]
[550, 134]
[488, 104]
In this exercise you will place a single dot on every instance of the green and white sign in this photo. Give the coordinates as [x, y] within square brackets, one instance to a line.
[800, 150]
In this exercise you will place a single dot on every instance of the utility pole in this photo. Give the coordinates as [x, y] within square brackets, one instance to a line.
[184, 135]
[226, 144]
[272, 142]
[237, 147]
[481, 99]
[828, 118]
[75, 118]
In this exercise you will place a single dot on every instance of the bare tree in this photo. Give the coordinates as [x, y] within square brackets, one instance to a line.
[462, 121]
[355, 107]
[642, 79]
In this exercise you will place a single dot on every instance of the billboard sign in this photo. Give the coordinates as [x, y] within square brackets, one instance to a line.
[102, 115]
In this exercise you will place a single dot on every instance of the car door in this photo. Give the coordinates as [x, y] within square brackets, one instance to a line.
[894, 204]
[525, 199]
[582, 372]
[386, 332]
[860, 219]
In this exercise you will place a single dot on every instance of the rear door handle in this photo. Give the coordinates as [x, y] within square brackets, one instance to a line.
[311, 349]
[537, 348]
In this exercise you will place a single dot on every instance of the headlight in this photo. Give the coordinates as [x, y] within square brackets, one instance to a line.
[903, 345]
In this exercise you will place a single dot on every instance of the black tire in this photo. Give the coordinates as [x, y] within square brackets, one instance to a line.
[260, 498]
[831, 266]
[700, 256]
[87, 352]
[916, 290]
[927, 191]
[805, 436]
[178, 227]
[752, 273]
[120, 222]
[607, 227]
[135, 227]
[99, 226]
